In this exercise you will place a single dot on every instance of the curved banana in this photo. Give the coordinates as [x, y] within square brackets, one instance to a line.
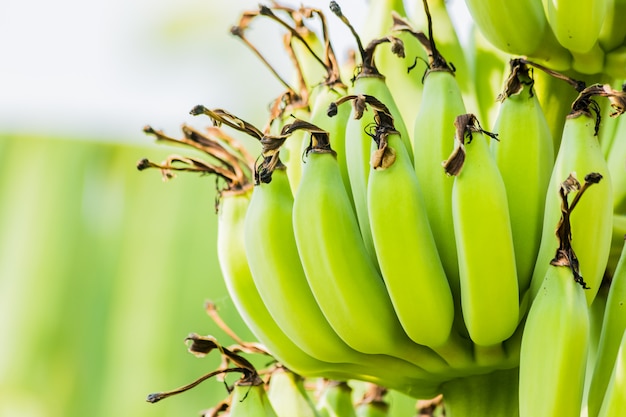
[417, 284]
[482, 228]
[433, 135]
[576, 24]
[288, 395]
[275, 265]
[554, 348]
[369, 81]
[524, 153]
[242, 290]
[592, 222]
[514, 27]
[341, 274]
[250, 399]
[614, 401]
[613, 327]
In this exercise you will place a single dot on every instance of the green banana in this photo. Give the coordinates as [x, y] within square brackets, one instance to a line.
[242, 290]
[554, 348]
[335, 400]
[614, 401]
[288, 395]
[576, 24]
[337, 265]
[613, 327]
[369, 81]
[515, 28]
[250, 399]
[432, 141]
[613, 31]
[579, 152]
[555, 344]
[417, 284]
[482, 228]
[525, 155]
[273, 259]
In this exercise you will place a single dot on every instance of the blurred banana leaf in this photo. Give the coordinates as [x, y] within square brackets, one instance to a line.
[104, 271]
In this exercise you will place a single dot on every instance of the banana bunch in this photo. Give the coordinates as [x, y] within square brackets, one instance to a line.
[385, 235]
[584, 36]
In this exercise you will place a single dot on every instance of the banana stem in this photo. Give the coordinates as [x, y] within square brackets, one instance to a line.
[494, 395]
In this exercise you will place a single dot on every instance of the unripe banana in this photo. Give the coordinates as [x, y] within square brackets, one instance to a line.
[575, 23]
[514, 27]
[342, 276]
[277, 272]
[525, 155]
[369, 81]
[556, 339]
[240, 285]
[554, 348]
[433, 133]
[482, 228]
[613, 327]
[592, 222]
[250, 400]
[417, 284]
[614, 402]
[288, 395]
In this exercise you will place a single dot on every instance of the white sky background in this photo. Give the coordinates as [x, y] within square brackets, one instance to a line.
[104, 69]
